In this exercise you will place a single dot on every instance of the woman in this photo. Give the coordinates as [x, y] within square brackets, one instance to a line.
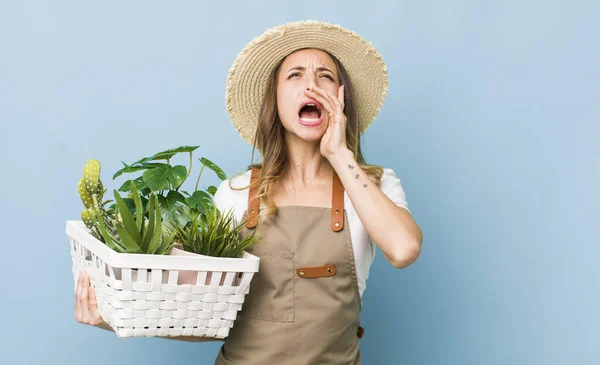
[302, 93]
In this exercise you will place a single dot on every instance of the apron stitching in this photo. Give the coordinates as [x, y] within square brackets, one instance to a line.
[352, 261]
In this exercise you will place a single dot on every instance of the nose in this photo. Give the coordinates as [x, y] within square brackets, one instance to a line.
[311, 80]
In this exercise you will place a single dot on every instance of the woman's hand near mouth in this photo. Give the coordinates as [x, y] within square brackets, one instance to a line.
[334, 139]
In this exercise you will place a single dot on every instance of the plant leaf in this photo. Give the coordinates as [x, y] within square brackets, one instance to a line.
[147, 162]
[130, 244]
[157, 234]
[168, 154]
[162, 178]
[108, 238]
[212, 190]
[128, 222]
[147, 235]
[200, 200]
[140, 165]
[166, 244]
[126, 186]
[170, 209]
[211, 165]
[139, 208]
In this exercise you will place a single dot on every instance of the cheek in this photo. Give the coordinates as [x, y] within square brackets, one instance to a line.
[286, 102]
[333, 90]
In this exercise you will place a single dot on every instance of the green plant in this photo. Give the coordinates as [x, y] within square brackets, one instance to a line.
[156, 214]
[215, 234]
[136, 234]
[89, 186]
[160, 177]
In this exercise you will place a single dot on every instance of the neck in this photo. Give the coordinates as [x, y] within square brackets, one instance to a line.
[306, 165]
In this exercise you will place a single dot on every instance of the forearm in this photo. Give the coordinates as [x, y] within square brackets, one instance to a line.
[107, 327]
[391, 227]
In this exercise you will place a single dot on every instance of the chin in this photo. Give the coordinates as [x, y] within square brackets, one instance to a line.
[306, 134]
[308, 137]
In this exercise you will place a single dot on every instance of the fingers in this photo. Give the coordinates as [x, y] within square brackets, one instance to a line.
[85, 302]
[78, 298]
[329, 102]
[326, 103]
[341, 94]
[335, 101]
[95, 316]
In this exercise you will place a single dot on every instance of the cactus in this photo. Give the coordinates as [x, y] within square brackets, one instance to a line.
[90, 183]
[89, 218]
[100, 189]
[90, 186]
[86, 198]
[118, 228]
[91, 176]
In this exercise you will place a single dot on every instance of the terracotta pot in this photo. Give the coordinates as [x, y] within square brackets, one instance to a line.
[189, 276]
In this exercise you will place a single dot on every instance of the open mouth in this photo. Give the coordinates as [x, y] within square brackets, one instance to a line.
[310, 113]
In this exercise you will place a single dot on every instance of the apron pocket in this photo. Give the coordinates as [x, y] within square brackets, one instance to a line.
[271, 296]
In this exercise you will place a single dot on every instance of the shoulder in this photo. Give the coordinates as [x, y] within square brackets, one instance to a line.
[388, 177]
[228, 196]
[391, 186]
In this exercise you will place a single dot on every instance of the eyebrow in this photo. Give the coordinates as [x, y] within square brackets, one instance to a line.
[302, 68]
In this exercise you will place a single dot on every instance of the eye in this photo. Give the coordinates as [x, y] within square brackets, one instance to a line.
[294, 74]
[328, 76]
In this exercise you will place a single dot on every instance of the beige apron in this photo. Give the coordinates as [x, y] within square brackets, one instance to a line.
[303, 306]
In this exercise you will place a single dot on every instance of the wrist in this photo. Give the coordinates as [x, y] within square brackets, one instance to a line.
[340, 158]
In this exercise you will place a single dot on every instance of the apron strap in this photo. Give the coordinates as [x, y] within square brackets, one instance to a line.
[337, 204]
[337, 201]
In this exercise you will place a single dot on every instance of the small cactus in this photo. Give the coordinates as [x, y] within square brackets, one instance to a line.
[118, 228]
[86, 198]
[89, 217]
[90, 188]
[91, 176]
[100, 189]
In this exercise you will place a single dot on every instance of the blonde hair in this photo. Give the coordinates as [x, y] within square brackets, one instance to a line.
[270, 141]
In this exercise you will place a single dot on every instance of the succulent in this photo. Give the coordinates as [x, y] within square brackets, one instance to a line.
[213, 233]
[135, 233]
[88, 216]
[90, 186]
[86, 198]
[91, 176]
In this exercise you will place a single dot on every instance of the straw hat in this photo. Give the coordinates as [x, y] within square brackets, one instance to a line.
[248, 76]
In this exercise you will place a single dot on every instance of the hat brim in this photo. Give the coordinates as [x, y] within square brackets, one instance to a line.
[248, 76]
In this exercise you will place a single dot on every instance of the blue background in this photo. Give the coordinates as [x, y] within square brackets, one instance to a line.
[492, 123]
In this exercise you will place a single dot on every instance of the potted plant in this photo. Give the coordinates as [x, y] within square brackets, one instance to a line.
[211, 233]
[145, 285]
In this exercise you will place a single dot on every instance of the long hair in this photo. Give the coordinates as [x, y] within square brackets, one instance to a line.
[270, 142]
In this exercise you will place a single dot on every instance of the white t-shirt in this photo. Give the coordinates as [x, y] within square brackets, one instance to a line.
[364, 248]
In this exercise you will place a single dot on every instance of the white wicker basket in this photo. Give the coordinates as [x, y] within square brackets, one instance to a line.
[138, 295]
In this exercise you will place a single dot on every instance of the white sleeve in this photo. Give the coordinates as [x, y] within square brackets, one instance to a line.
[226, 199]
[392, 188]
[223, 200]
[220, 199]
